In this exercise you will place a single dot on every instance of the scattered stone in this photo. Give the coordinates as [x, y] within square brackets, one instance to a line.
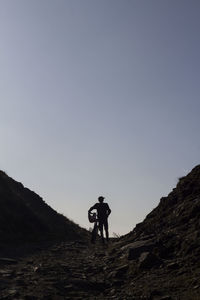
[121, 270]
[196, 287]
[173, 266]
[112, 275]
[13, 292]
[148, 260]
[136, 248]
[7, 261]
[69, 287]
[37, 269]
[7, 273]
[112, 292]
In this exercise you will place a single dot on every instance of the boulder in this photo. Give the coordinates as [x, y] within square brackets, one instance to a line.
[149, 260]
[136, 248]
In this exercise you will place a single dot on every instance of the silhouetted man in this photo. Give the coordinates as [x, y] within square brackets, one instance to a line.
[103, 211]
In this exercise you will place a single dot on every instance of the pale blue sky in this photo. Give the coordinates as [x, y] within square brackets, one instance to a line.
[100, 98]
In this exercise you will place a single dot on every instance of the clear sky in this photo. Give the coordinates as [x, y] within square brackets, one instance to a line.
[100, 98]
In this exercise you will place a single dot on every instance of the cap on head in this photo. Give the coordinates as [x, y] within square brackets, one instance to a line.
[101, 198]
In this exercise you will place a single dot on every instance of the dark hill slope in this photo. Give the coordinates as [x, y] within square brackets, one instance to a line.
[160, 258]
[25, 217]
[175, 222]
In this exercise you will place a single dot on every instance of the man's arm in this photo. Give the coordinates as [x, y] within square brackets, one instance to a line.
[91, 208]
[108, 210]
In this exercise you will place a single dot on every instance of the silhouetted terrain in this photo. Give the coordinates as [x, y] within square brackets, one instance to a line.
[25, 217]
[158, 260]
[162, 254]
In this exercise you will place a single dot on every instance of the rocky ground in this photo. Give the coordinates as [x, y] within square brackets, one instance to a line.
[72, 270]
[158, 260]
[78, 270]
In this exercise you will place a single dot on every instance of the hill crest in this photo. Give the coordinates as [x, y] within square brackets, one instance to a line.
[25, 216]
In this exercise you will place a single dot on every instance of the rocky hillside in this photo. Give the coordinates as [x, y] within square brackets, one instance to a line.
[175, 222]
[25, 217]
[158, 260]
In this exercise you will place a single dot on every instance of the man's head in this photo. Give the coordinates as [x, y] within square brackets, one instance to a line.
[101, 199]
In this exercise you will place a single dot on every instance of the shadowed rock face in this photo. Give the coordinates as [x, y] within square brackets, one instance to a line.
[175, 222]
[25, 217]
[158, 260]
[163, 251]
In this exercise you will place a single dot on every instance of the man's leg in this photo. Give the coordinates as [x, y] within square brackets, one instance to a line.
[101, 230]
[94, 233]
[106, 229]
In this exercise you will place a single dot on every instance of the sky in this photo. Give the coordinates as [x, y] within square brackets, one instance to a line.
[100, 98]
